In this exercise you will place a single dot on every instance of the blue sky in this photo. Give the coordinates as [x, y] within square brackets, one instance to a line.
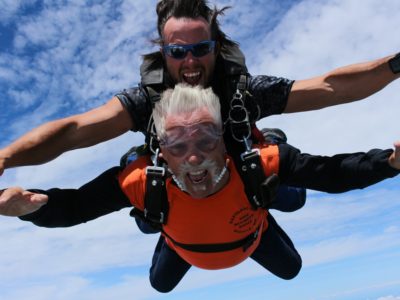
[59, 58]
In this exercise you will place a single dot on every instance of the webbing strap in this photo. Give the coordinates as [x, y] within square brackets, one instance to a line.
[245, 243]
[252, 175]
[153, 95]
[155, 201]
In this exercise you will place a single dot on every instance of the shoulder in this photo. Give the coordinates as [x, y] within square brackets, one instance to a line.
[134, 172]
[270, 93]
[266, 82]
[137, 103]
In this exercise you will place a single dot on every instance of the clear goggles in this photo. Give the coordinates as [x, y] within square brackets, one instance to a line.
[203, 137]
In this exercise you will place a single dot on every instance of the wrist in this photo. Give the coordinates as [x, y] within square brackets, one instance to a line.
[3, 162]
[5, 158]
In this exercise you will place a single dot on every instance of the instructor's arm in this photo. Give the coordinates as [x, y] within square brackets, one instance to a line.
[342, 85]
[51, 139]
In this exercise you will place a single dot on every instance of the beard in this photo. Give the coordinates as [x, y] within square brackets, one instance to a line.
[216, 175]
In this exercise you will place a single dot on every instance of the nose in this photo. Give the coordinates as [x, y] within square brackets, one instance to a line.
[194, 156]
[190, 58]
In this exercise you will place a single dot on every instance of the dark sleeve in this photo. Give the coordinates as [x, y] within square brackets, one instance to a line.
[270, 93]
[68, 207]
[335, 174]
[135, 101]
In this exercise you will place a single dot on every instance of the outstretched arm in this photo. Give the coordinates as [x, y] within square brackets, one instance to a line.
[338, 173]
[48, 141]
[342, 85]
[66, 207]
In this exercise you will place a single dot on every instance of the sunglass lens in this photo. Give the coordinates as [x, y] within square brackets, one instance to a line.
[201, 49]
[177, 52]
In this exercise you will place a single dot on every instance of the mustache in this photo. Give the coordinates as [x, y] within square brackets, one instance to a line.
[207, 164]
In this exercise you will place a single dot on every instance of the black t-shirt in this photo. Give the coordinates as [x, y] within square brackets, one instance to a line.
[269, 93]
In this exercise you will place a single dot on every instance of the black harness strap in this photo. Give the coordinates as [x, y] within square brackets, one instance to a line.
[156, 200]
[259, 190]
[154, 96]
[252, 175]
[245, 243]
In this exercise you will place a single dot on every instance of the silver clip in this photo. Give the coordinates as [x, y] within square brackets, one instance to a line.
[154, 158]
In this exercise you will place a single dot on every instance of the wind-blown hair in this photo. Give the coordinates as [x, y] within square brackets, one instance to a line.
[190, 9]
[185, 99]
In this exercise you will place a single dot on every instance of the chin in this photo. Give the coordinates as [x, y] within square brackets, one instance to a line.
[200, 192]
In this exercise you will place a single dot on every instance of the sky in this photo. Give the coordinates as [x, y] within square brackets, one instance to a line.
[59, 58]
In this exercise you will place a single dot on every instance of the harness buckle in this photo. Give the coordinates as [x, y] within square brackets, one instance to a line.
[155, 171]
[249, 153]
[153, 218]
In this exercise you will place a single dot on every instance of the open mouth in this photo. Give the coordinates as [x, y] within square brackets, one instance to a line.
[192, 78]
[197, 176]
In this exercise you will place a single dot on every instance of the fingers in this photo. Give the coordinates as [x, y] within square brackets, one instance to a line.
[394, 159]
[39, 199]
[11, 192]
[17, 202]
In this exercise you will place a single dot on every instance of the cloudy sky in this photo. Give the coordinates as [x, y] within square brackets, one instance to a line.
[59, 58]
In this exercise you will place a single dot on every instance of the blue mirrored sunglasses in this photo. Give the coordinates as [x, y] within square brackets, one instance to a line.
[197, 50]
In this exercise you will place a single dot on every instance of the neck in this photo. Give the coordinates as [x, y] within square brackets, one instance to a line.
[222, 179]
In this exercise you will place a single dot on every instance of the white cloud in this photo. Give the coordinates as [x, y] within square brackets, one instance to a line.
[9, 8]
[315, 37]
[82, 55]
[94, 51]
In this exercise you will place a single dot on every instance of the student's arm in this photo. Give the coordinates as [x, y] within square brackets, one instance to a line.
[66, 207]
[342, 85]
[49, 140]
[338, 173]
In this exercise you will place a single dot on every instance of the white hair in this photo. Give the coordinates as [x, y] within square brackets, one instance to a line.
[185, 99]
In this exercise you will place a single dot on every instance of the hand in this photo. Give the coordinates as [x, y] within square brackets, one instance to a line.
[394, 159]
[15, 202]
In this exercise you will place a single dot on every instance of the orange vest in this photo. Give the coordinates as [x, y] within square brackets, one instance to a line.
[223, 217]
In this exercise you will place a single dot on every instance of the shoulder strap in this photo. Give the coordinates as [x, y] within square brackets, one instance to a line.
[156, 199]
[156, 205]
[234, 61]
[260, 188]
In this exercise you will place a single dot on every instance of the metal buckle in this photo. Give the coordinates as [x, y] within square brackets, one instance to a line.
[250, 154]
[155, 171]
[154, 218]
